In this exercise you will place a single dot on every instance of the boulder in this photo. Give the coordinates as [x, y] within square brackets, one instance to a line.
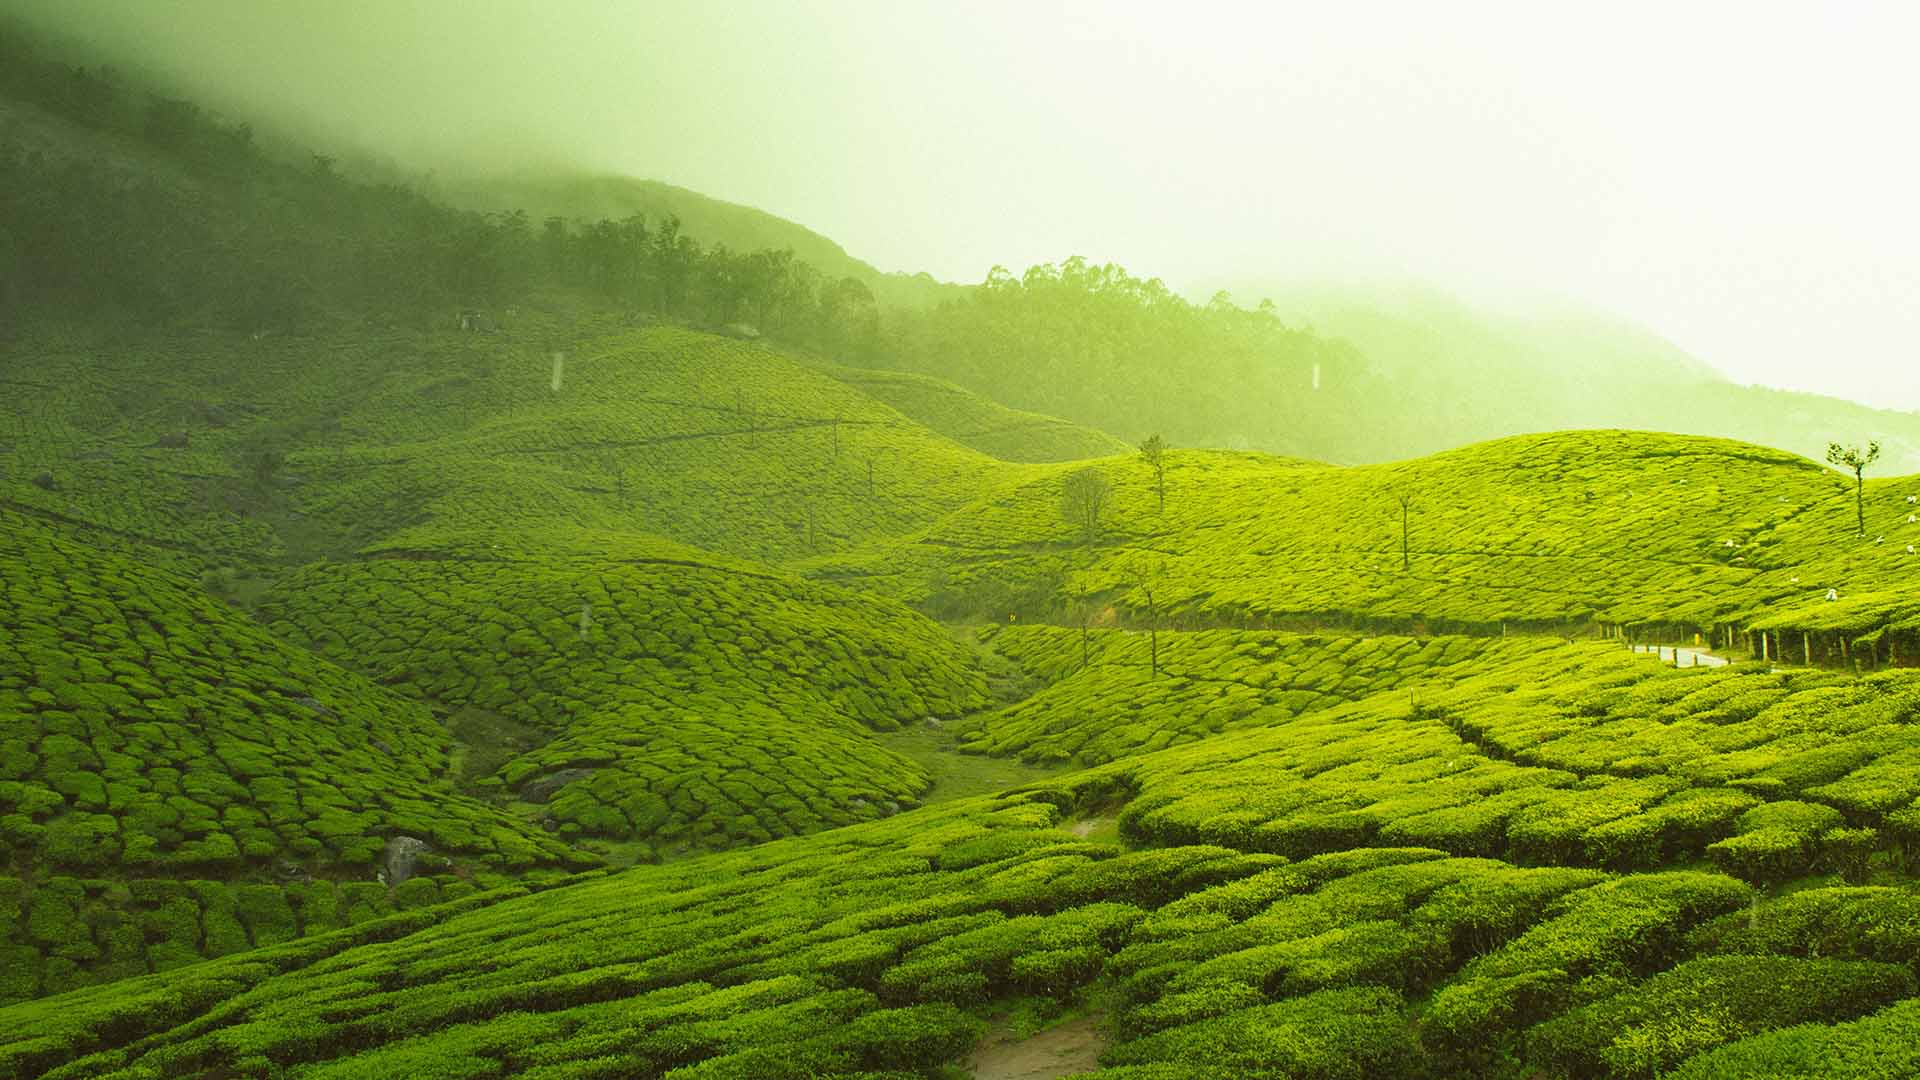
[402, 854]
[540, 789]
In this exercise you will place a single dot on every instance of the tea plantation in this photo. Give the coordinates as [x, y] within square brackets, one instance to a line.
[1561, 532]
[678, 702]
[1289, 939]
[512, 705]
[177, 783]
[971, 420]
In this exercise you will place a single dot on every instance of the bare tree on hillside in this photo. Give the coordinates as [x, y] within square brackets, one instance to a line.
[1851, 457]
[1154, 453]
[1405, 498]
[1082, 498]
[1147, 573]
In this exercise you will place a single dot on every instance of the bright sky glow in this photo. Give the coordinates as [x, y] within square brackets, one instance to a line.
[1741, 178]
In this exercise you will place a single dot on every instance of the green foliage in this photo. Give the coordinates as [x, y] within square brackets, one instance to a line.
[164, 729]
[978, 422]
[1880, 1047]
[1649, 1029]
[699, 705]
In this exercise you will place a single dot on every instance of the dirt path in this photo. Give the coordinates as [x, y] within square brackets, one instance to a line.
[1063, 1050]
[1086, 827]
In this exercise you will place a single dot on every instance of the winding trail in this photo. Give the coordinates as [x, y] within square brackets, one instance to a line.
[1062, 1050]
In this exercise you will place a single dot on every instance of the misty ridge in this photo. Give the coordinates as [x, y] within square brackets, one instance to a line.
[480, 599]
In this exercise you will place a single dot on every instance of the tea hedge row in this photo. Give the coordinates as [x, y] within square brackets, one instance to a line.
[1487, 767]
[974, 421]
[1208, 681]
[686, 703]
[145, 728]
[60, 933]
[1567, 528]
[868, 950]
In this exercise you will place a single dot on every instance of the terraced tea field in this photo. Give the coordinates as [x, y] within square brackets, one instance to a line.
[586, 718]
[1564, 532]
[971, 420]
[1371, 887]
[685, 703]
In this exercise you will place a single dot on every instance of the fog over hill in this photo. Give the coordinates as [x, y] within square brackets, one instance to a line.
[491, 587]
[1483, 148]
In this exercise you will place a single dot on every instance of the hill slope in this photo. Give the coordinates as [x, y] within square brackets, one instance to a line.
[1272, 915]
[1481, 374]
[1561, 530]
[674, 703]
[714, 221]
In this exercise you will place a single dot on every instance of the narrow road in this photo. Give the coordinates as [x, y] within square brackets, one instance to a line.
[1683, 656]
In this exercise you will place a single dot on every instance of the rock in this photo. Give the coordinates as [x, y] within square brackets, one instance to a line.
[172, 440]
[889, 808]
[381, 745]
[44, 481]
[317, 707]
[741, 331]
[401, 855]
[540, 789]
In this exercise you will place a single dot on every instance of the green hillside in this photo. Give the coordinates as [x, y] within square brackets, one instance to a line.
[1561, 532]
[1340, 374]
[1479, 373]
[1366, 886]
[437, 643]
[974, 421]
[176, 783]
[673, 703]
[742, 228]
[240, 449]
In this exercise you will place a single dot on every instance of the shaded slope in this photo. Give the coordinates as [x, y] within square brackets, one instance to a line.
[175, 783]
[714, 221]
[974, 421]
[231, 450]
[150, 728]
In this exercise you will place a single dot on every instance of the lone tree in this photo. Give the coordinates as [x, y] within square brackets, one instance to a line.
[1082, 498]
[1146, 574]
[1405, 499]
[1083, 617]
[1850, 457]
[1154, 453]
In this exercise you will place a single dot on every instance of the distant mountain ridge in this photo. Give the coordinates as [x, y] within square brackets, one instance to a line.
[589, 196]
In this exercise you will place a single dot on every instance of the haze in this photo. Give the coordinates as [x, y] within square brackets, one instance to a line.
[1738, 178]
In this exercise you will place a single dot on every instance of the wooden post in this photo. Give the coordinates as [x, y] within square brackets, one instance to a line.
[1763, 646]
[1806, 640]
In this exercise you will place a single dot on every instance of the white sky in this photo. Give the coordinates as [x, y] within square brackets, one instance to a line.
[1741, 178]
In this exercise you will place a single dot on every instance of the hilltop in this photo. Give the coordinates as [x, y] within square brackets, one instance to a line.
[1575, 533]
[742, 228]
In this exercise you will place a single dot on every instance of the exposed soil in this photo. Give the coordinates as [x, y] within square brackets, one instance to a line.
[1085, 827]
[1072, 1047]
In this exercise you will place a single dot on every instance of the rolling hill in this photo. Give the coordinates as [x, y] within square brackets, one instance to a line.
[563, 690]
[1567, 533]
